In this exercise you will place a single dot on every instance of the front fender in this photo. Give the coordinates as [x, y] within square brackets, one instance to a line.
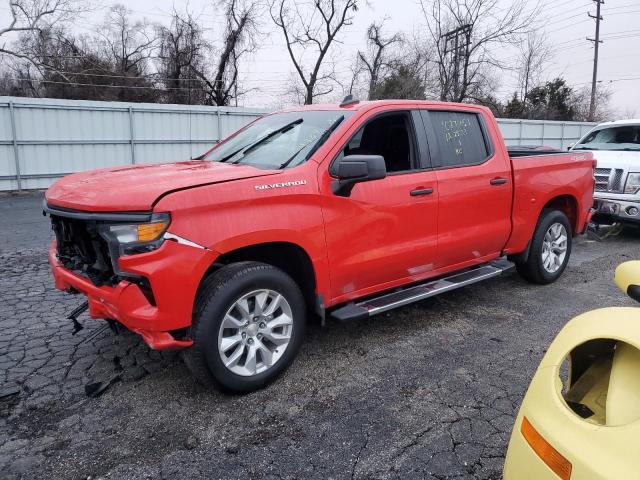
[315, 252]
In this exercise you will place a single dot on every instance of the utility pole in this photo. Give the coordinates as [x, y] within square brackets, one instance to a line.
[461, 39]
[596, 41]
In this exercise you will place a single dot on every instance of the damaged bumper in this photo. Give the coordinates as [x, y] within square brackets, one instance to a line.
[173, 272]
[610, 210]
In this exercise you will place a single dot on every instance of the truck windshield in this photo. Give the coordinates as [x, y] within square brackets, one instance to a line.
[280, 140]
[613, 138]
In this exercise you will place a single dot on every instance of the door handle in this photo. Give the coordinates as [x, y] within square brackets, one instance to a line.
[498, 181]
[421, 191]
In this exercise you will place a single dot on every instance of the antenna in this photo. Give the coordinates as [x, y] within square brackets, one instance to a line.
[349, 100]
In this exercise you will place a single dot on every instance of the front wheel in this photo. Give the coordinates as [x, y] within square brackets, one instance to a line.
[248, 325]
[550, 249]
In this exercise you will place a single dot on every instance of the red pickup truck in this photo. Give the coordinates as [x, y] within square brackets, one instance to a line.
[347, 210]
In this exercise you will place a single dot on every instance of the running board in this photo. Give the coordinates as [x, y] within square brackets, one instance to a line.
[388, 301]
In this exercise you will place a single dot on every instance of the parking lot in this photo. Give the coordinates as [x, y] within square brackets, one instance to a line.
[428, 391]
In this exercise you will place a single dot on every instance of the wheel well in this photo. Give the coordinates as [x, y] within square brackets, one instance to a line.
[288, 257]
[567, 205]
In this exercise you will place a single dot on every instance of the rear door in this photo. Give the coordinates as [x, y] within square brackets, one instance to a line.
[385, 232]
[474, 185]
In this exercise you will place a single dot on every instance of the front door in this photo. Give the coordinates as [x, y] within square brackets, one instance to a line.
[385, 232]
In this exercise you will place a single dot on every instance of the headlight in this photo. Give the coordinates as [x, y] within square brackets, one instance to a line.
[141, 232]
[633, 183]
[136, 237]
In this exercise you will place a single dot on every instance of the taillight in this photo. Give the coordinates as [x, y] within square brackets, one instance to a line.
[549, 455]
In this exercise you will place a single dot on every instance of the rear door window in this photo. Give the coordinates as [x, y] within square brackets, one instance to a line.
[459, 138]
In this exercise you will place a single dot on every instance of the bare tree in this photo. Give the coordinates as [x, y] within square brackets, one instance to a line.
[603, 111]
[15, 83]
[133, 60]
[112, 64]
[533, 55]
[73, 67]
[129, 44]
[192, 69]
[33, 15]
[376, 61]
[312, 25]
[239, 39]
[182, 51]
[462, 34]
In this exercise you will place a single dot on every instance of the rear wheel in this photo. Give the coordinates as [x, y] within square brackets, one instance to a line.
[248, 325]
[550, 249]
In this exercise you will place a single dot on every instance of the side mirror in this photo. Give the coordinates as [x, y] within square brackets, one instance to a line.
[354, 169]
[627, 277]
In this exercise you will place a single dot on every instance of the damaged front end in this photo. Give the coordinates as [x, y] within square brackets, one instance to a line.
[90, 244]
[112, 257]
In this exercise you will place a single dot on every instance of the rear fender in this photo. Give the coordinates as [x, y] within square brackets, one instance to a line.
[527, 213]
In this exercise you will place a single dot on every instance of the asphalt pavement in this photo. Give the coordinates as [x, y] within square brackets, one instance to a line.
[427, 391]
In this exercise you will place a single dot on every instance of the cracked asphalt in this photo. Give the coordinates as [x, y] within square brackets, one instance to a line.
[427, 391]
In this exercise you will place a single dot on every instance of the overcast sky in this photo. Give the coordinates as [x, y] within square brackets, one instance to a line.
[565, 22]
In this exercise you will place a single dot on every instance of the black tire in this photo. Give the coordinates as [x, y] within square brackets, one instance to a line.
[533, 269]
[217, 294]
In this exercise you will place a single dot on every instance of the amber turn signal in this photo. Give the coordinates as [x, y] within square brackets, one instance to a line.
[148, 232]
[549, 455]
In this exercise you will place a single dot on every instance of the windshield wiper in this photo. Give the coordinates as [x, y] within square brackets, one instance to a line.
[286, 164]
[257, 143]
[323, 138]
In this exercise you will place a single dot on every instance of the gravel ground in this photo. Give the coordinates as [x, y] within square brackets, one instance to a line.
[427, 391]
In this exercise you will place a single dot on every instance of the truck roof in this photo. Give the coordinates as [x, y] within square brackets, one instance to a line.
[368, 104]
[618, 123]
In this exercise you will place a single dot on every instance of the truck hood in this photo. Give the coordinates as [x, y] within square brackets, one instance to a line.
[628, 161]
[138, 187]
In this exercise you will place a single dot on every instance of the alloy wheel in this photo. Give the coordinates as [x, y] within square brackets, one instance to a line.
[554, 247]
[255, 332]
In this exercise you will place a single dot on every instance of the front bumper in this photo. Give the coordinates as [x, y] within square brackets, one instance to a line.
[174, 272]
[616, 210]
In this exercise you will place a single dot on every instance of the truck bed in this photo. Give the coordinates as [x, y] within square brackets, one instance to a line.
[519, 151]
[547, 174]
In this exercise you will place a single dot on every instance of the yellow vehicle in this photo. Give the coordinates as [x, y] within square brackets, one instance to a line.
[580, 418]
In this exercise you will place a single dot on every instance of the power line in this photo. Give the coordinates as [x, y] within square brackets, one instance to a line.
[564, 27]
[156, 78]
[613, 80]
[622, 80]
[135, 87]
[625, 13]
[563, 21]
[618, 37]
[602, 58]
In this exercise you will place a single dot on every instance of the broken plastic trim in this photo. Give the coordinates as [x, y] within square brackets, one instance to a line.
[600, 382]
[96, 389]
[73, 316]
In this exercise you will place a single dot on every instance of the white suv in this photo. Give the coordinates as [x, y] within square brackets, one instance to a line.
[616, 148]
